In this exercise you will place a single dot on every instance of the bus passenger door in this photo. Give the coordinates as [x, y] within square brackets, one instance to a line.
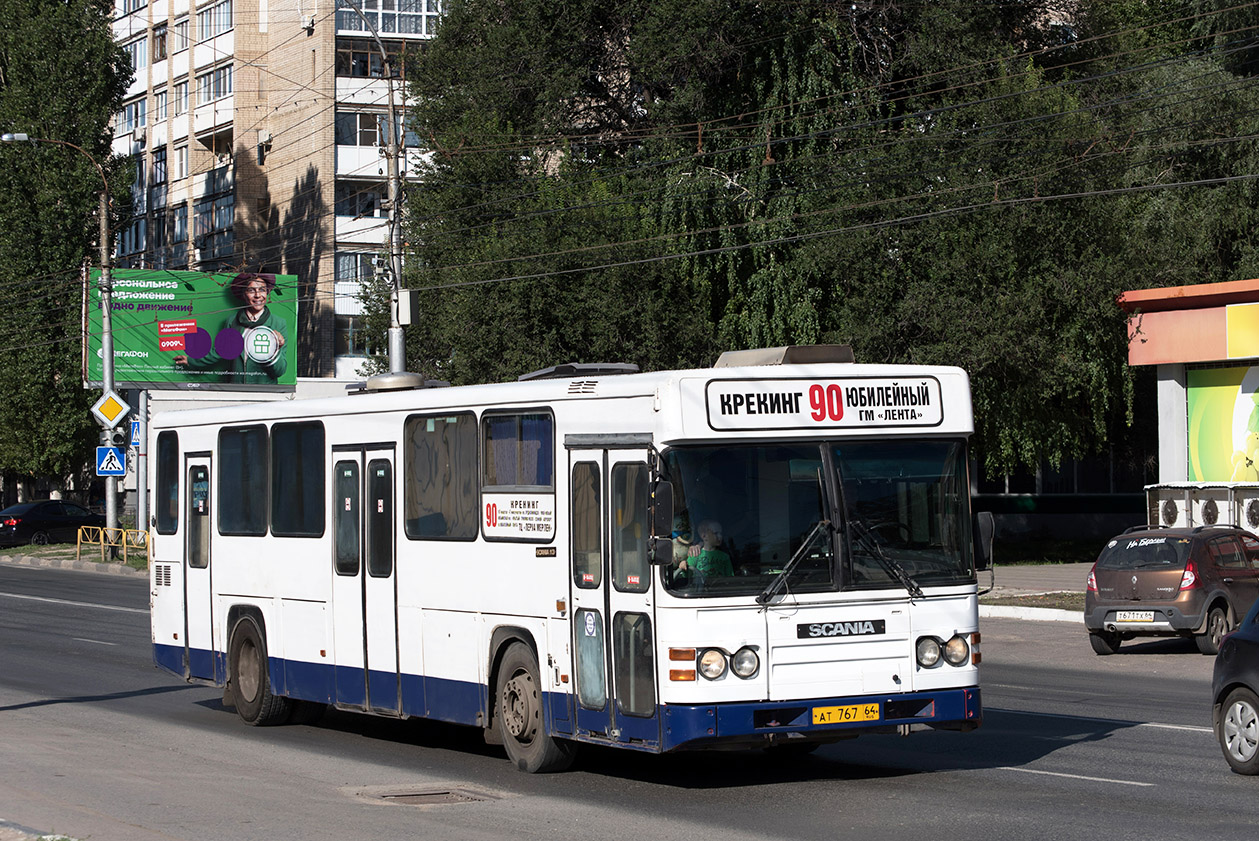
[365, 626]
[199, 656]
[613, 612]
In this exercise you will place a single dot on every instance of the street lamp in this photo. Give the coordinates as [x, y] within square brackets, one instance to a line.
[106, 290]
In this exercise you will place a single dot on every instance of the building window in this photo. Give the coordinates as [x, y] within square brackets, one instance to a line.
[159, 166]
[356, 199]
[351, 338]
[362, 60]
[134, 115]
[214, 85]
[181, 162]
[410, 17]
[131, 239]
[179, 35]
[157, 241]
[159, 106]
[159, 42]
[129, 6]
[212, 221]
[179, 224]
[138, 52]
[214, 20]
[181, 97]
[357, 128]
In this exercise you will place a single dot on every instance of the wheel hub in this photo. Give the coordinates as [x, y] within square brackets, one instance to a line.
[517, 707]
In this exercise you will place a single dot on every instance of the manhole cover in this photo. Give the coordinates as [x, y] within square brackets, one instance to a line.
[426, 796]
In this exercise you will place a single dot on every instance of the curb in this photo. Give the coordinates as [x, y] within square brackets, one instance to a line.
[71, 563]
[1038, 614]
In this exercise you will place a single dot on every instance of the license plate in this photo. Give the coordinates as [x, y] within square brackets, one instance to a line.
[839, 715]
[1134, 616]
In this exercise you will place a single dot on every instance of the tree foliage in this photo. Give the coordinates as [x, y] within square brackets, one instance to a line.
[948, 183]
[61, 78]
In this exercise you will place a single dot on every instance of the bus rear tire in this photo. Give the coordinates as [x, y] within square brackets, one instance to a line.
[520, 716]
[250, 679]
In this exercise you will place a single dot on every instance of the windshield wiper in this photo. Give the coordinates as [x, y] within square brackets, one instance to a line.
[780, 581]
[893, 567]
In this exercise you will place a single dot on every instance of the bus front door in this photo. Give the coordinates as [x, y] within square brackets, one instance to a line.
[613, 611]
[365, 618]
[199, 659]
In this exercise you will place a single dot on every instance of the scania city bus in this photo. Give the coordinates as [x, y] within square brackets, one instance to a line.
[776, 552]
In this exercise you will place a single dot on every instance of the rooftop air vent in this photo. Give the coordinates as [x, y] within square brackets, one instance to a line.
[580, 369]
[790, 355]
[582, 386]
[394, 381]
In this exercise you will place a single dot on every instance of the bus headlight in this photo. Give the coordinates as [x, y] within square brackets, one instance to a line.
[712, 663]
[928, 652]
[745, 663]
[956, 651]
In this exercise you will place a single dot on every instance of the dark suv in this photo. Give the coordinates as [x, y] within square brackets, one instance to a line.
[1190, 582]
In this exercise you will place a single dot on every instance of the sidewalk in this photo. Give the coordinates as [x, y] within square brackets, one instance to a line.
[1030, 579]
[63, 557]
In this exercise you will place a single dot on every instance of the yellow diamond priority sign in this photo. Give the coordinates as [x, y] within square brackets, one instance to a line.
[110, 409]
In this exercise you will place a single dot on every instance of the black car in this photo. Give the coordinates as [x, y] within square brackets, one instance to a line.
[1235, 690]
[44, 521]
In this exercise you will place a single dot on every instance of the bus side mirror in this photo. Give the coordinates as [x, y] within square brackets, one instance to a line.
[660, 550]
[985, 529]
[662, 510]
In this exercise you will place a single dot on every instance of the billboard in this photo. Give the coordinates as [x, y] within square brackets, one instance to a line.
[202, 330]
[1223, 409]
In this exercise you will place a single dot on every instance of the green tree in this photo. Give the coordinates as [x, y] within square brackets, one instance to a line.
[945, 182]
[61, 78]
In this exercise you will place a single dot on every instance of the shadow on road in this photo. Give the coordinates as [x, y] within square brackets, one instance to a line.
[93, 699]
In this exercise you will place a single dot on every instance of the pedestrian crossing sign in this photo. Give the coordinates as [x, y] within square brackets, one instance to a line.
[111, 461]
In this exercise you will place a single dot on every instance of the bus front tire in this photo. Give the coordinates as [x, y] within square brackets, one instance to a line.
[520, 716]
[250, 680]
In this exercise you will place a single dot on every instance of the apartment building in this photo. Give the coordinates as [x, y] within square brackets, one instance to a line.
[258, 128]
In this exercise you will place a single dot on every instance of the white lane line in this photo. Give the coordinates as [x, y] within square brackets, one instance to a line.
[94, 642]
[1076, 776]
[1190, 728]
[73, 604]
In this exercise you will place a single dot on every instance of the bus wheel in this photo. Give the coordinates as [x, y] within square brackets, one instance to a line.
[249, 679]
[528, 745]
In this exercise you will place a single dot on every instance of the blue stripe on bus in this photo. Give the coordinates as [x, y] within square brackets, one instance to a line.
[461, 702]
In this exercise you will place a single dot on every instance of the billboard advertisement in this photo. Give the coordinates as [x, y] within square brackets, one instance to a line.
[202, 330]
[1223, 408]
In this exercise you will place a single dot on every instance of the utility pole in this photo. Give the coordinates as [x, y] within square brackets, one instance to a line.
[106, 292]
[393, 235]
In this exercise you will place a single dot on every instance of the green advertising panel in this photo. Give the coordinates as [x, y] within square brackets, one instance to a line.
[1223, 424]
[197, 330]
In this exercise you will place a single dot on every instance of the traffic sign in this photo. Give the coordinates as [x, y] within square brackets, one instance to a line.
[110, 409]
[111, 461]
[135, 433]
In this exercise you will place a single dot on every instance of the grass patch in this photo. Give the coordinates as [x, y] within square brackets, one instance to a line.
[1053, 601]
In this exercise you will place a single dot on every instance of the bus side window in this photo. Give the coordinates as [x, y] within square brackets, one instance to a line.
[440, 477]
[166, 494]
[587, 560]
[630, 572]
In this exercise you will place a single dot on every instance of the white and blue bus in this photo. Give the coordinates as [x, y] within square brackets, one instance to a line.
[775, 552]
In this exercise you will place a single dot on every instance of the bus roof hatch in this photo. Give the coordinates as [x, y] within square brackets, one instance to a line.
[789, 355]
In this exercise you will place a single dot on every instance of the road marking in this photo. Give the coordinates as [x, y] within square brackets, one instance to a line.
[1189, 727]
[73, 604]
[94, 642]
[1076, 776]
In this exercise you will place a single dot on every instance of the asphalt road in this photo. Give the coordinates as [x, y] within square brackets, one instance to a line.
[97, 744]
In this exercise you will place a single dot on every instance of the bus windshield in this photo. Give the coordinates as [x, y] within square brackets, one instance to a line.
[743, 513]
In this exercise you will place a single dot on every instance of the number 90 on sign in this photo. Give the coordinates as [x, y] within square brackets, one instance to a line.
[840, 715]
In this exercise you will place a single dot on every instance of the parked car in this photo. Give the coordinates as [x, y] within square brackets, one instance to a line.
[1155, 582]
[1235, 692]
[44, 521]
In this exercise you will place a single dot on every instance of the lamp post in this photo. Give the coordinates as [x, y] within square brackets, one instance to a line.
[393, 238]
[106, 291]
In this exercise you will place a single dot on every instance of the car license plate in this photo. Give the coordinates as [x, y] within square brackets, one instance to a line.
[1134, 616]
[838, 715]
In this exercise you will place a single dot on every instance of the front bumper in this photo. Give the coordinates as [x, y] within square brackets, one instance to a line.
[714, 725]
